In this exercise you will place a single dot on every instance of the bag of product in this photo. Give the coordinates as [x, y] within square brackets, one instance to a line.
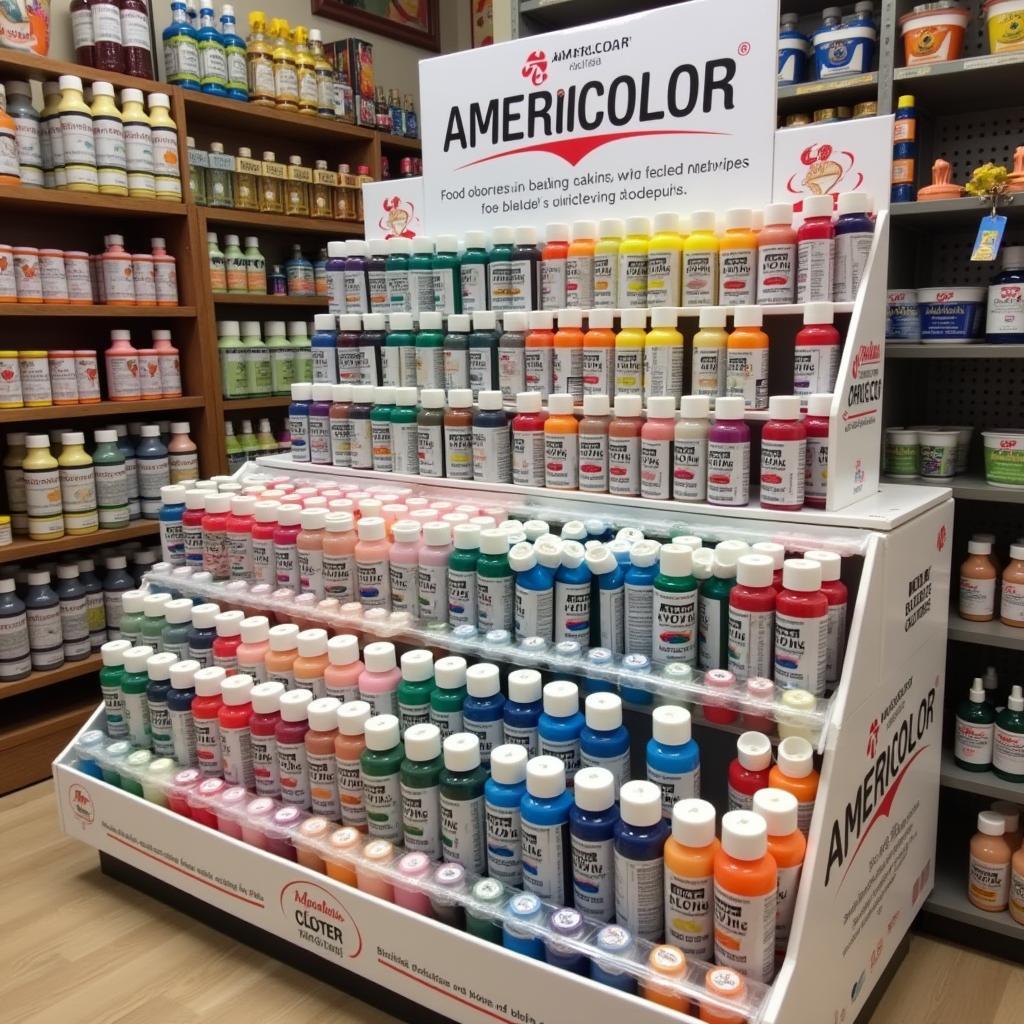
[25, 25]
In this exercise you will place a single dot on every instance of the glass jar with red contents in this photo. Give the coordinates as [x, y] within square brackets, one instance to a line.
[81, 32]
[135, 38]
[108, 50]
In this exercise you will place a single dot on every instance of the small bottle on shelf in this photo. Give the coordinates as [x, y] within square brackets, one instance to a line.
[220, 175]
[272, 184]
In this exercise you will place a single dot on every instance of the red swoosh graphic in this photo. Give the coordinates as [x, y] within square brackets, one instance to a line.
[572, 151]
[883, 809]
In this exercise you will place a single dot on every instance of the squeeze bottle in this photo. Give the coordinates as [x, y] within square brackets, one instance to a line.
[752, 618]
[461, 783]
[349, 746]
[729, 454]
[503, 795]
[420, 784]
[538, 352]
[522, 710]
[624, 445]
[815, 251]
[579, 266]
[629, 353]
[205, 710]
[639, 860]
[606, 264]
[483, 708]
[234, 718]
[783, 455]
[700, 261]
[776, 256]
[632, 269]
[988, 879]
[265, 699]
[546, 855]
[749, 770]
[838, 596]
[553, 267]
[817, 351]
[380, 767]
[737, 260]
[378, 682]
[592, 821]
[690, 449]
[794, 772]
[604, 740]
[567, 355]
[674, 608]
[448, 695]
[788, 846]
[689, 878]
[747, 358]
[664, 261]
[801, 628]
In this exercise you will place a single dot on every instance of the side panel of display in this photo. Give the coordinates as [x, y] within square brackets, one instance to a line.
[874, 829]
[855, 432]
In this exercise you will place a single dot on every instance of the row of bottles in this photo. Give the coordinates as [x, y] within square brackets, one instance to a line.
[252, 367]
[237, 272]
[245, 444]
[112, 35]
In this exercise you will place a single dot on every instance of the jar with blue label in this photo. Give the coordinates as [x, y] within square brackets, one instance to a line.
[902, 320]
[299, 274]
[846, 48]
[794, 49]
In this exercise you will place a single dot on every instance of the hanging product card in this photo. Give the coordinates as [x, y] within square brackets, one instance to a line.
[393, 208]
[990, 238]
[616, 118]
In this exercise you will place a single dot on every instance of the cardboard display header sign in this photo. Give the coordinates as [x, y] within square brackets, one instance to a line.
[393, 208]
[670, 109]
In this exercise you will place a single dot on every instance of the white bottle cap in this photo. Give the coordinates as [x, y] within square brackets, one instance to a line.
[1015, 702]
[573, 554]
[694, 407]
[382, 732]
[754, 570]
[545, 777]
[432, 398]
[776, 552]
[158, 666]
[522, 557]
[853, 202]
[831, 564]
[744, 835]
[153, 605]
[819, 313]
[208, 681]
[738, 218]
[754, 751]
[644, 553]
[417, 666]
[178, 611]
[204, 616]
[661, 407]
[289, 515]
[302, 392]
[979, 547]
[747, 316]
[422, 742]
[482, 680]
[801, 574]
[561, 699]
[400, 322]
[525, 686]
[229, 623]
[664, 316]
[795, 757]
[493, 542]
[430, 320]
[594, 788]
[818, 206]
[343, 650]
[243, 504]
[603, 711]
[728, 408]
[379, 656]
[1010, 814]
[171, 494]
[372, 528]
[640, 803]
[819, 405]
[195, 499]
[991, 824]
[693, 823]
[633, 318]
[466, 537]
[266, 697]
[676, 560]
[610, 227]
[666, 222]
[294, 705]
[540, 320]
[460, 398]
[508, 763]
[406, 531]
[254, 629]
[629, 405]
[638, 226]
[373, 321]
[236, 689]
[183, 673]
[778, 213]
[461, 752]
[312, 643]
[784, 407]
[266, 511]
[352, 717]
[450, 672]
[490, 401]
[779, 810]
[600, 319]
[513, 321]
[556, 232]
[283, 637]
[671, 725]
[569, 318]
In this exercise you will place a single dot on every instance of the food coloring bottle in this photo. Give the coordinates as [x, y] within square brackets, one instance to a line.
[528, 440]
[673, 757]
[745, 880]
[372, 565]
[463, 829]
[609, 579]
[311, 663]
[280, 658]
[737, 260]
[265, 699]
[729, 455]
[1008, 743]
[472, 273]
[349, 746]
[178, 627]
[560, 725]
[664, 261]
[975, 730]
[455, 354]
[815, 251]
[499, 270]
[624, 446]
[538, 352]
[817, 352]
[592, 822]
[398, 357]
[378, 682]
[360, 428]
[483, 708]
[604, 740]
[788, 846]
[371, 348]
[445, 275]
[510, 354]
[462, 575]
[430, 448]
[503, 795]
[495, 584]
[298, 421]
[689, 878]
[816, 423]
[522, 290]
[783, 455]
[854, 233]
[234, 718]
[561, 450]
[380, 766]
[397, 275]
[838, 598]
[414, 690]
[205, 715]
[794, 772]
[180, 695]
[617, 944]
[158, 670]
[153, 620]
[988, 879]
[546, 855]
[203, 633]
[579, 266]
[628, 373]
[801, 628]
[534, 593]
[639, 596]
[639, 865]
[553, 267]
[111, 680]
[420, 783]
[573, 584]
[458, 435]
[227, 641]
[567, 355]
[631, 284]
[674, 608]
[776, 256]
[749, 769]
[752, 618]
[522, 709]
[492, 450]
[134, 683]
[404, 568]
[747, 358]
[656, 458]
[430, 352]
[605, 264]
[380, 429]
[700, 261]
[421, 276]
[239, 525]
[448, 695]
[690, 449]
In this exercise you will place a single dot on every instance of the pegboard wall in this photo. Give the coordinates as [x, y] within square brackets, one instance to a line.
[975, 36]
[938, 258]
[967, 140]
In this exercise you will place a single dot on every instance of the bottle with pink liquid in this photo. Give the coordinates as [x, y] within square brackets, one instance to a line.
[341, 677]
[432, 573]
[403, 561]
[378, 682]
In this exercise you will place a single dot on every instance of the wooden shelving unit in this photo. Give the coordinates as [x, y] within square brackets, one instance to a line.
[41, 680]
[23, 548]
[278, 301]
[162, 407]
[47, 310]
[280, 222]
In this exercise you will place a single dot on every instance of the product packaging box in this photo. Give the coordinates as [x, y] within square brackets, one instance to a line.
[355, 58]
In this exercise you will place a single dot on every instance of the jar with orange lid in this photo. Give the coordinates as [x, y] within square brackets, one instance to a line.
[8, 284]
[27, 279]
[10, 381]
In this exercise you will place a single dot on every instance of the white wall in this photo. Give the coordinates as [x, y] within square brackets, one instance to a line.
[394, 63]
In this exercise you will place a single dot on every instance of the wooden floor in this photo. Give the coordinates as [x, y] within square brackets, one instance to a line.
[78, 947]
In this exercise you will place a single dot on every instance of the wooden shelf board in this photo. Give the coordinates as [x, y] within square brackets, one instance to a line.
[303, 225]
[12, 417]
[52, 200]
[21, 65]
[283, 301]
[247, 404]
[41, 680]
[401, 142]
[22, 548]
[45, 310]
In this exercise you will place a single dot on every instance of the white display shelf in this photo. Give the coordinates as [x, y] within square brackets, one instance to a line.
[891, 507]
[986, 784]
[948, 899]
[970, 487]
[959, 350]
[989, 634]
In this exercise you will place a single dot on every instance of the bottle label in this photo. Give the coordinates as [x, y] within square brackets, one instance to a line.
[421, 820]
[632, 280]
[323, 785]
[709, 633]
[481, 369]
[690, 913]
[45, 636]
[977, 597]
[816, 471]
[579, 283]
[341, 443]
[373, 581]
[462, 833]
[325, 363]
[745, 933]
[430, 368]
[293, 769]
[512, 285]
[286, 565]
[523, 736]
[399, 300]
[561, 461]
[783, 466]
[361, 443]
[655, 468]
[404, 448]
[79, 148]
[77, 488]
[528, 458]
[183, 466]
[1011, 607]
[624, 465]
[988, 884]
[236, 749]
[611, 604]
[106, 23]
[746, 376]
[264, 568]
[213, 64]
[459, 441]
[751, 636]
[597, 368]
[444, 290]
[629, 370]
[618, 765]
[974, 741]
[504, 844]
[593, 463]
[776, 273]
[1007, 751]
[165, 164]
[462, 597]
[208, 751]
[495, 598]
[663, 370]
[430, 450]
[350, 792]
[814, 270]
[113, 708]
[534, 612]
[42, 492]
[700, 277]
[815, 368]
[852, 252]
[553, 284]
[674, 786]
[737, 283]
[567, 751]
[593, 877]
[639, 896]
[380, 435]
[448, 722]
[674, 623]
[320, 440]
[1016, 893]
[572, 612]
[511, 372]
[311, 572]
[204, 655]
[403, 581]
[567, 372]
[456, 368]
[240, 556]
[14, 645]
[264, 765]
[639, 617]
[181, 57]
[728, 472]
[492, 454]
[421, 293]
[689, 469]
[836, 642]
[663, 272]
[473, 280]
[537, 367]
[183, 740]
[138, 144]
[606, 292]
[801, 650]
[412, 714]
[546, 860]
[136, 713]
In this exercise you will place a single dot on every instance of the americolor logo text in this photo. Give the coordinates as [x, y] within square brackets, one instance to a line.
[877, 790]
[549, 113]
